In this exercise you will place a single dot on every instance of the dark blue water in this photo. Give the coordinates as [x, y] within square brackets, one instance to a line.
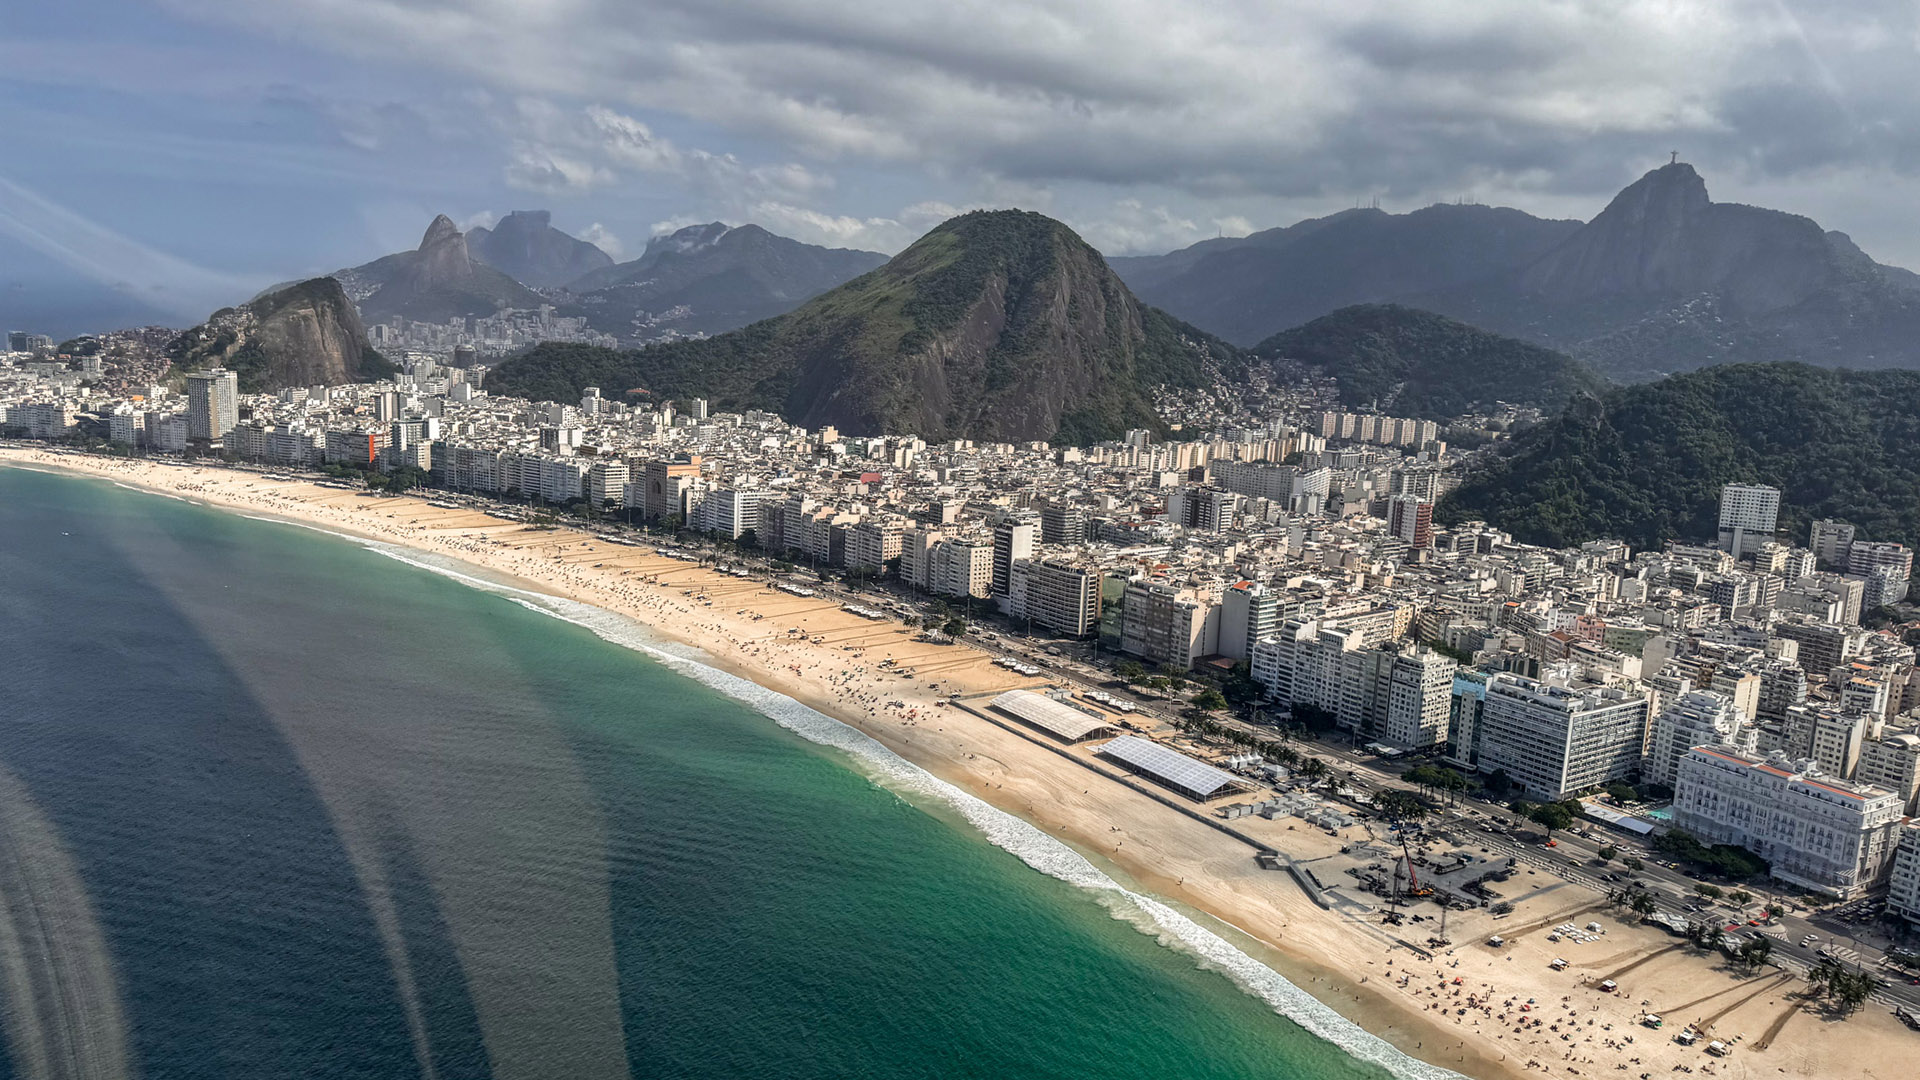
[275, 805]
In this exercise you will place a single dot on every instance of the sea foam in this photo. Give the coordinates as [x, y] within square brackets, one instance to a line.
[1018, 837]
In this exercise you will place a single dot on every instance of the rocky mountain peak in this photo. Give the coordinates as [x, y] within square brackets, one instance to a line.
[441, 233]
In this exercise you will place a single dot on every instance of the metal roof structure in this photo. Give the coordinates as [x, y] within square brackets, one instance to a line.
[1170, 768]
[1063, 722]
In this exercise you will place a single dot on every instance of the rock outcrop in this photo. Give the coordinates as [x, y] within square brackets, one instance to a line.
[525, 246]
[305, 334]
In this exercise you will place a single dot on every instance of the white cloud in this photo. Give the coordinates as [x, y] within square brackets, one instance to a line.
[544, 170]
[1221, 104]
[603, 238]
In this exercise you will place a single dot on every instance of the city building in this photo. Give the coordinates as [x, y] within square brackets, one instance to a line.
[1903, 882]
[213, 404]
[1014, 537]
[1694, 718]
[1166, 625]
[1749, 514]
[1816, 832]
[1055, 595]
[1557, 736]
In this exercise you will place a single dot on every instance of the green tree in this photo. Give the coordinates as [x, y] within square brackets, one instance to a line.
[1643, 902]
[1398, 806]
[1754, 952]
[1551, 816]
[1711, 892]
[1741, 897]
[1633, 864]
[1130, 670]
[955, 627]
[1609, 853]
[1209, 699]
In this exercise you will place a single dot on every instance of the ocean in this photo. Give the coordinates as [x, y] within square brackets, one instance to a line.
[275, 803]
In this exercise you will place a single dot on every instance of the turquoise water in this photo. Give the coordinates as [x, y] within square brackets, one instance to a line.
[273, 804]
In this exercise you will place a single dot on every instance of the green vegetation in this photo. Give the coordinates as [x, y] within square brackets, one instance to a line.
[1409, 362]
[999, 324]
[1724, 859]
[1398, 806]
[1845, 990]
[1437, 778]
[1554, 816]
[1754, 952]
[1209, 699]
[1646, 463]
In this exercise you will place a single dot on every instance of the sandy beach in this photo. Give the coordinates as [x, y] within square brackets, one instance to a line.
[1481, 1011]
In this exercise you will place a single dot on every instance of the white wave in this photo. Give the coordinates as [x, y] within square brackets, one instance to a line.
[1023, 840]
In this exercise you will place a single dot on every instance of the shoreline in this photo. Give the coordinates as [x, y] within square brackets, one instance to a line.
[827, 660]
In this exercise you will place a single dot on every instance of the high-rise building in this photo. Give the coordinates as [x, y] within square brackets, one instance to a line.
[1694, 718]
[1892, 761]
[1056, 595]
[213, 404]
[1818, 832]
[1249, 612]
[1013, 538]
[1410, 517]
[1830, 541]
[607, 483]
[667, 484]
[1063, 525]
[1903, 884]
[1556, 736]
[1749, 513]
[1166, 625]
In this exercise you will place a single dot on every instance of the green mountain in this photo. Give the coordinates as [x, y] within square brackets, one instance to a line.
[1248, 288]
[304, 334]
[1409, 362]
[1645, 463]
[996, 325]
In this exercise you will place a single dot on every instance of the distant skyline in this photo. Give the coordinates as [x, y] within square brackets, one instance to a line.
[188, 151]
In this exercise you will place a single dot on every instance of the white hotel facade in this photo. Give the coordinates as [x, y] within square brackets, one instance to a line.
[1817, 832]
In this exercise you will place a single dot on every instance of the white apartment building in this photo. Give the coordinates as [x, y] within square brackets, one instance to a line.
[1749, 513]
[1249, 612]
[1015, 537]
[1558, 737]
[731, 512]
[1057, 595]
[1831, 541]
[962, 568]
[1395, 697]
[42, 419]
[1168, 625]
[1694, 718]
[1892, 761]
[1818, 833]
[607, 481]
[871, 543]
[167, 432]
[1903, 883]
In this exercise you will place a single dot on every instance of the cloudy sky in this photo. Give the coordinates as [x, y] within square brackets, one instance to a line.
[187, 150]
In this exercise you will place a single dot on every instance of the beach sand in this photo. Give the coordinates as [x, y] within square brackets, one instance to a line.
[1460, 1008]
